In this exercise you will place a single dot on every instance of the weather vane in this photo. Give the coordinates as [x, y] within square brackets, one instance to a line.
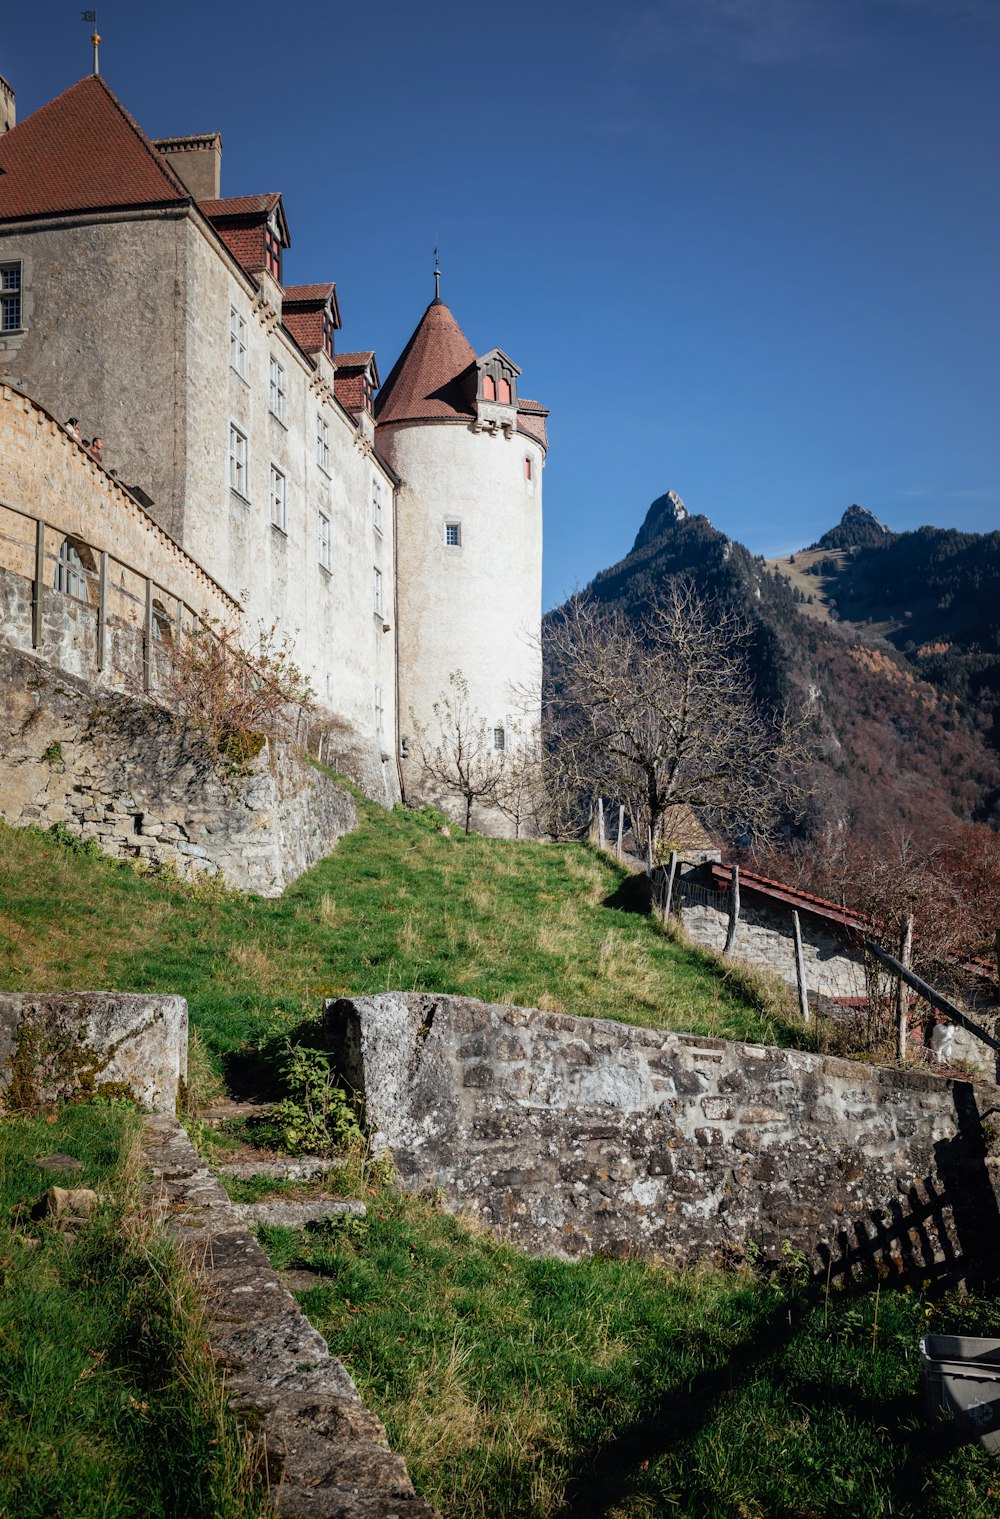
[91, 16]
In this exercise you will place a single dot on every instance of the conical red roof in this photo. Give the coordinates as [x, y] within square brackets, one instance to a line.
[426, 383]
[82, 152]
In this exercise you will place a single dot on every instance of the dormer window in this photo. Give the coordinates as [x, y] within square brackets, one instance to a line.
[272, 250]
[497, 378]
[328, 331]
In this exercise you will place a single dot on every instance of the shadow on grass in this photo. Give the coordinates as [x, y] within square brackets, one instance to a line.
[632, 895]
[254, 1073]
[947, 1235]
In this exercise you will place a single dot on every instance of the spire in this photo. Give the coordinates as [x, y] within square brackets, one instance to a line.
[437, 278]
[433, 380]
[95, 39]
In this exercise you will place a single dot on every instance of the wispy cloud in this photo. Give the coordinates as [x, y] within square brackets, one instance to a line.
[935, 493]
[746, 31]
[773, 32]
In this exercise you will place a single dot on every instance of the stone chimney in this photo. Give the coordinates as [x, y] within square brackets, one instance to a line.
[197, 161]
[8, 114]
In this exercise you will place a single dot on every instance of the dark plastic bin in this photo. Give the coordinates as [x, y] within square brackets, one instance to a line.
[961, 1382]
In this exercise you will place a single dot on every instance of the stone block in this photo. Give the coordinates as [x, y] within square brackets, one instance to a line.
[55, 1047]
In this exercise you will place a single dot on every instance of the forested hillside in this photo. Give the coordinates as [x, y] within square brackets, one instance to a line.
[901, 678]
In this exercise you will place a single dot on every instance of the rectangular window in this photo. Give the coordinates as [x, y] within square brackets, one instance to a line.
[323, 444]
[10, 297]
[378, 593]
[499, 737]
[325, 548]
[239, 475]
[453, 534]
[237, 343]
[379, 710]
[377, 504]
[527, 468]
[279, 515]
[279, 398]
[272, 252]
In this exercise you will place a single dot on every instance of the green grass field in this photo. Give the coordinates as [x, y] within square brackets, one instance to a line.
[109, 1408]
[397, 906]
[524, 1388]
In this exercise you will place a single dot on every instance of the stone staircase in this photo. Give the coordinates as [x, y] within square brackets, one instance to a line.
[327, 1455]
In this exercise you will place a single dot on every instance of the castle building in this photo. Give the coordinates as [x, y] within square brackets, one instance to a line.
[392, 536]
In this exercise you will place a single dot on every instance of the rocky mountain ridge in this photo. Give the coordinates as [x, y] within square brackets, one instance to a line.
[900, 678]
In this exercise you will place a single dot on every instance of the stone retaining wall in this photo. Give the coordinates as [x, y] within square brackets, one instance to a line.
[576, 1135]
[85, 1044]
[126, 774]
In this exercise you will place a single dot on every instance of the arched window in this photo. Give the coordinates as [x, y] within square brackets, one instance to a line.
[71, 570]
[489, 388]
[504, 396]
[162, 630]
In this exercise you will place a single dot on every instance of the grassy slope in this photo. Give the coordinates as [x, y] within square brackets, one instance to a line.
[108, 1406]
[523, 1388]
[396, 906]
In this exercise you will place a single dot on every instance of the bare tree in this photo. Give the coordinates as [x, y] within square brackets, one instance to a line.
[460, 755]
[660, 711]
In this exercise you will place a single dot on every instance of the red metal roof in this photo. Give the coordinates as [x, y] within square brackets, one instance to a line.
[82, 152]
[425, 383]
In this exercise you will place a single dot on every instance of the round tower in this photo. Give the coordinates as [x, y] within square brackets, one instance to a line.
[469, 452]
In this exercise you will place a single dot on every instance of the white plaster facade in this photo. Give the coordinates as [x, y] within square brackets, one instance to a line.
[474, 605]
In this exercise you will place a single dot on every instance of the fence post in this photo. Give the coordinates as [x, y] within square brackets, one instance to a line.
[621, 824]
[734, 910]
[147, 637]
[902, 993]
[38, 589]
[800, 968]
[600, 821]
[102, 611]
[670, 884]
[649, 851]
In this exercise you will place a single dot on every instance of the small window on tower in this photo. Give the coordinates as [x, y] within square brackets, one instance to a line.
[453, 534]
[489, 388]
[527, 469]
[499, 738]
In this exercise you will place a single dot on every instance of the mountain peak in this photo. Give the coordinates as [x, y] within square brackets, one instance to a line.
[857, 528]
[666, 511]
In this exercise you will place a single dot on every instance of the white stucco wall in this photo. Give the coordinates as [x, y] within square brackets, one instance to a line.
[477, 607]
[339, 640]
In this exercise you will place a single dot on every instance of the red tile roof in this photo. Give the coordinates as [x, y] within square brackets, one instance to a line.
[425, 383]
[82, 152]
[533, 406]
[239, 205]
[295, 293]
[354, 360]
[779, 891]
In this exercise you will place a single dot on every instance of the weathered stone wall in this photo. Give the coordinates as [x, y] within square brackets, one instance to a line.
[764, 938]
[64, 1045]
[576, 1135]
[123, 772]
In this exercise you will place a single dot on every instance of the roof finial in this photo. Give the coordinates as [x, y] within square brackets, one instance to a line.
[437, 277]
[91, 16]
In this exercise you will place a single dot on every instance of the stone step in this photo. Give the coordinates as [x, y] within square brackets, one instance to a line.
[295, 1215]
[278, 1168]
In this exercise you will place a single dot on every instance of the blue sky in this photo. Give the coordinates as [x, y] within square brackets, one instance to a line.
[744, 249]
